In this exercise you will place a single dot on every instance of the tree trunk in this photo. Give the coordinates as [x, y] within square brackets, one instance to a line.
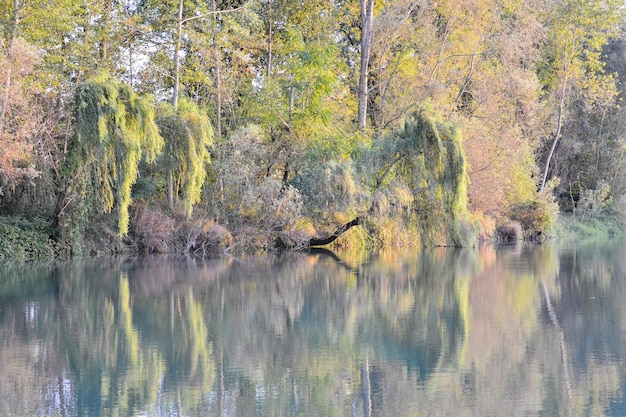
[7, 88]
[269, 40]
[567, 63]
[557, 135]
[329, 239]
[170, 185]
[367, 17]
[179, 37]
[218, 75]
[177, 47]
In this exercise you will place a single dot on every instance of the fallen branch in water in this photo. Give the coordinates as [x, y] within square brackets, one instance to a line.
[331, 238]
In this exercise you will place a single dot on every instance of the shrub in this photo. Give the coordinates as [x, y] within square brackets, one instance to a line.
[25, 240]
[537, 217]
[331, 185]
[271, 206]
[151, 231]
[486, 225]
[510, 232]
[241, 163]
[593, 202]
[203, 237]
[101, 237]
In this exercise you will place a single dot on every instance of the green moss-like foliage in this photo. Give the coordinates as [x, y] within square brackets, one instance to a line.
[331, 184]
[114, 130]
[25, 240]
[435, 170]
[189, 134]
[409, 186]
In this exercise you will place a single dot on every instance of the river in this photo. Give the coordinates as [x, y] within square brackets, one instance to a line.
[528, 330]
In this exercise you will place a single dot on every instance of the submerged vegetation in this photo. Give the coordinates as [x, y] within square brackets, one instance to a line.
[280, 124]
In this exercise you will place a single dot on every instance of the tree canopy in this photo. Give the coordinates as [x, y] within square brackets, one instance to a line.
[305, 106]
[115, 130]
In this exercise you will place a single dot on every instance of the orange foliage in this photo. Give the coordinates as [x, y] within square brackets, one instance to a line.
[19, 120]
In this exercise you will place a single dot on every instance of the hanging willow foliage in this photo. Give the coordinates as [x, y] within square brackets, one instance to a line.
[188, 133]
[417, 174]
[114, 129]
[436, 171]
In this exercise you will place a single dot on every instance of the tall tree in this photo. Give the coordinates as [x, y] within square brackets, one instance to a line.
[114, 131]
[577, 32]
[367, 22]
[26, 123]
[465, 59]
[304, 100]
[193, 32]
[8, 72]
[20, 114]
[490, 57]
[395, 62]
[188, 134]
[8, 61]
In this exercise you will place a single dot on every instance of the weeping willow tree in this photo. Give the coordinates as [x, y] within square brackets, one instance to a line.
[114, 130]
[426, 160]
[189, 134]
[434, 168]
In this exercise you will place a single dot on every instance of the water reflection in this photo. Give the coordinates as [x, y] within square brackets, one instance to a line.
[528, 330]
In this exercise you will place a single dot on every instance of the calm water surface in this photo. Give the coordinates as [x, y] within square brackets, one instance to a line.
[515, 331]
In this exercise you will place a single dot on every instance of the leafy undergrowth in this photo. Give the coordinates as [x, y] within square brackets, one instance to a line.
[603, 226]
[25, 239]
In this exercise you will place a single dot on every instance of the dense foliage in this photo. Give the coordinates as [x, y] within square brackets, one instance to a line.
[114, 130]
[274, 122]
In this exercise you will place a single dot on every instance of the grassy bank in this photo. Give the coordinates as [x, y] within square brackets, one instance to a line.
[603, 226]
[153, 232]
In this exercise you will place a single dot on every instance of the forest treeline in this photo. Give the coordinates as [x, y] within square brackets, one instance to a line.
[194, 126]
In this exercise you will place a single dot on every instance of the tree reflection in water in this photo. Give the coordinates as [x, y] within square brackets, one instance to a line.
[441, 332]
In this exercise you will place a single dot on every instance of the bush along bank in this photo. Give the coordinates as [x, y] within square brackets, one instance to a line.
[408, 187]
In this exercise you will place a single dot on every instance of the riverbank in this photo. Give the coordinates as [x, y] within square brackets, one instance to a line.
[575, 227]
[23, 239]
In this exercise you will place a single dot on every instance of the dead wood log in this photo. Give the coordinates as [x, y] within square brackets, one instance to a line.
[316, 241]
